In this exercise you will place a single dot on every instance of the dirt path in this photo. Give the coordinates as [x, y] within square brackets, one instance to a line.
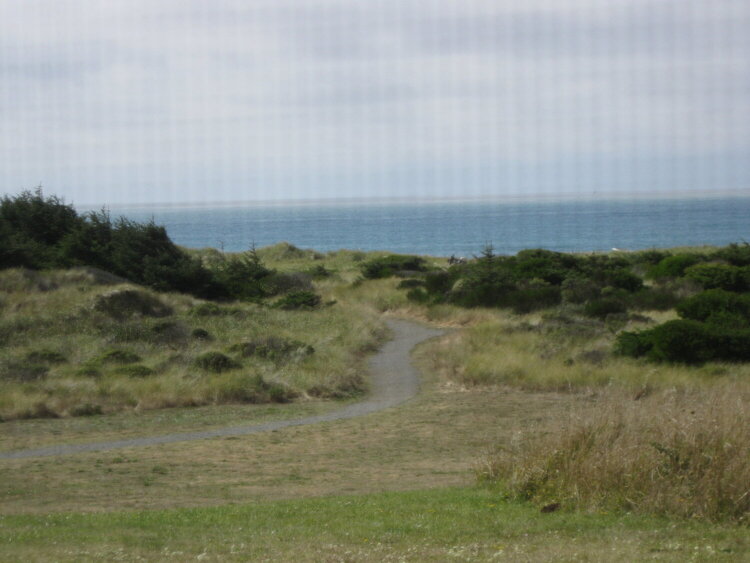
[393, 380]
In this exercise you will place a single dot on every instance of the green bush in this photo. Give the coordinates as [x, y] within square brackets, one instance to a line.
[687, 342]
[720, 276]
[123, 303]
[673, 266]
[46, 357]
[200, 334]
[652, 299]
[410, 283]
[715, 303]
[215, 362]
[298, 300]
[119, 357]
[392, 265]
[532, 299]
[601, 308]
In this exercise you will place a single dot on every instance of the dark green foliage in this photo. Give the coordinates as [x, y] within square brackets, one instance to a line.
[123, 303]
[40, 232]
[31, 229]
[119, 357]
[720, 276]
[255, 389]
[652, 299]
[410, 283]
[633, 344]
[623, 279]
[45, 357]
[440, 282]
[418, 295]
[295, 300]
[134, 370]
[392, 265]
[200, 334]
[215, 362]
[245, 277]
[578, 289]
[603, 307]
[88, 370]
[716, 305]
[687, 342]
[319, 272]
[530, 299]
[735, 254]
[673, 266]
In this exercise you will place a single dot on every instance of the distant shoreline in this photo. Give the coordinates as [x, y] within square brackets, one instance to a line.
[506, 199]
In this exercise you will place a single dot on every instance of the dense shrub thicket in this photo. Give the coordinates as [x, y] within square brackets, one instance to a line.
[392, 265]
[535, 279]
[39, 232]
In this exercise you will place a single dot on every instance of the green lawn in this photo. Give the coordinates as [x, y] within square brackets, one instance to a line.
[465, 524]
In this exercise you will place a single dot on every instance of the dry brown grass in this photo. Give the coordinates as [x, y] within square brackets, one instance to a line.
[679, 453]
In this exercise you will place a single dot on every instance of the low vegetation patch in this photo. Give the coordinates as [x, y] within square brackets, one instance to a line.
[684, 454]
[215, 362]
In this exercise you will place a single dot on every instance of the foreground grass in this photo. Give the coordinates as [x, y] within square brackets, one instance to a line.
[438, 525]
[683, 454]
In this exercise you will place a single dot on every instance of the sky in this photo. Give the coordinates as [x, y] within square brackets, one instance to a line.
[190, 101]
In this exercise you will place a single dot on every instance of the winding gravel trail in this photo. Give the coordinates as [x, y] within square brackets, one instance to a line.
[393, 380]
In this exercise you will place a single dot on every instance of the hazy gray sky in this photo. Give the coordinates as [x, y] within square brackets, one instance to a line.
[114, 101]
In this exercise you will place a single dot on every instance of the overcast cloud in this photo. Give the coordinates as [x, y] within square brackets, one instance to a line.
[140, 101]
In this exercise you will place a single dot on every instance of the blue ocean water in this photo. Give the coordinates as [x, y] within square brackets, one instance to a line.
[460, 228]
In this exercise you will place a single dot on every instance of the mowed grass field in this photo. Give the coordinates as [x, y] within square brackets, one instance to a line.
[414, 483]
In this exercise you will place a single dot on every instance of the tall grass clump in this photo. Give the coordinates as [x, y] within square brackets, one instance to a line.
[684, 454]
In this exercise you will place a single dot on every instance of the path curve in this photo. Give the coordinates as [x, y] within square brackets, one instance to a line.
[393, 380]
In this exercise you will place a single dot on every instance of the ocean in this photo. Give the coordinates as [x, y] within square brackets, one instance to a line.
[458, 228]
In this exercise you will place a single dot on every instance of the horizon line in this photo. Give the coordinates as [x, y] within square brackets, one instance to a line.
[548, 197]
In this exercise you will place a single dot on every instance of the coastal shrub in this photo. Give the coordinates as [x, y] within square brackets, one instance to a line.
[715, 303]
[215, 362]
[392, 265]
[45, 356]
[123, 303]
[298, 300]
[720, 276]
[169, 332]
[624, 279]
[735, 254]
[410, 283]
[272, 348]
[244, 277]
[252, 389]
[673, 266]
[601, 308]
[530, 299]
[200, 334]
[418, 295]
[652, 299]
[579, 290]
[117, 356]
[319, 272]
